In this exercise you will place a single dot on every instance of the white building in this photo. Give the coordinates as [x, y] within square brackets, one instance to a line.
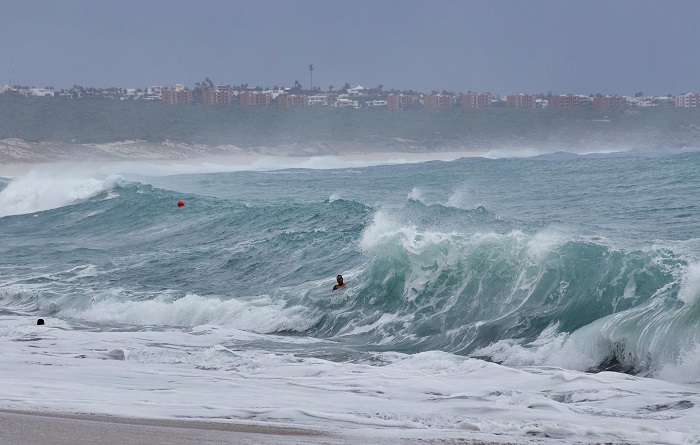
[40, 92]
[153, 92]
[342, 102]
[356, 91]
[375, 104]
[643, 101]
[318, 100]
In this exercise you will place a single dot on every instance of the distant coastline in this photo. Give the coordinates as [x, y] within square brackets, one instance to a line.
[36, 130]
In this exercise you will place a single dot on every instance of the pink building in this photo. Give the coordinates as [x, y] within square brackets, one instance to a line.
[521, 101]
[400, 101]
[292, 100]
[255, 99]
[608, 101]
[176, 95]
[568, 101]
[476, 100]
[434, 101]
[218, 97]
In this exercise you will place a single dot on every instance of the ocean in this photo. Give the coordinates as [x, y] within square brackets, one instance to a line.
[512, 296]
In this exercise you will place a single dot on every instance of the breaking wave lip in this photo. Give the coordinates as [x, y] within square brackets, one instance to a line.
[45, 189]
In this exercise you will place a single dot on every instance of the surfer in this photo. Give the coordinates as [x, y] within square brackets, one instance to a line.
[340, 284]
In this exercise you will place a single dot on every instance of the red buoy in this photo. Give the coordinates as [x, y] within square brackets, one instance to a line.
[180, 203]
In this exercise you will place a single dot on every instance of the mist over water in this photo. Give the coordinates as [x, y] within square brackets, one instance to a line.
[35, 130]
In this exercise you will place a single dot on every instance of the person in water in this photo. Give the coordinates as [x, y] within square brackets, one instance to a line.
[340, 284]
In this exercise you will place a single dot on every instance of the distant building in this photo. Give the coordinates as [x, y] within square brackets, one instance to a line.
[645, 101]
[218, 97]
[400, 101]
[356, 91]
[40, 92]
[689, 100]
[176, 95]
[569, 101]
[319, 99]
[476, 100]
[521, 101]
[378, 103]
[343, 102]
[255, 98]
[434, 101]
[608, 101]
[34, 92]
[153, 92]
[292, 100]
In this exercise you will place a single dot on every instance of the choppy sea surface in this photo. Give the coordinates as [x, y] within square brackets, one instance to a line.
[548, 299]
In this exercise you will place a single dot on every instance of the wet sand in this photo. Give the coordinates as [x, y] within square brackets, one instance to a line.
[34, 428]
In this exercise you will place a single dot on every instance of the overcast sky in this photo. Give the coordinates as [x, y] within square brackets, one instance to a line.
[500, 46]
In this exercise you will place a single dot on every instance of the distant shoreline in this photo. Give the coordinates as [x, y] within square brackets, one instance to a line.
[47, 130]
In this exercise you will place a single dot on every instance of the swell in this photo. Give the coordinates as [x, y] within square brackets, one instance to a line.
[518, 298]
[422, 277]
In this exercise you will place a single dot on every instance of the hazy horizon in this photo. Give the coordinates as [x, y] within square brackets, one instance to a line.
[504, 46]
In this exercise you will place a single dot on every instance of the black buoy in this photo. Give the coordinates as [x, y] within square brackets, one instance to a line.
[40, 321]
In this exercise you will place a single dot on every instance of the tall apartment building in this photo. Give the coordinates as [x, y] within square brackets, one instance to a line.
[568, 101]
[292, 100]
[475, 100]
[434, 101]
[688, 100]
[400, 101]
[176, 95]
[218, 97]
[255, 98]
[608, 101]
[521, 101]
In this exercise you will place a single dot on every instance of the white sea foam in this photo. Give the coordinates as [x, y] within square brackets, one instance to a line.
[204, 373]
[261, 314]
[45, 189]
[690, 285]
[416, 194]
[237, 163]
[544, 242]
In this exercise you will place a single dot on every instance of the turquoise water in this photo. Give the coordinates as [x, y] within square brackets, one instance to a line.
[587, 262]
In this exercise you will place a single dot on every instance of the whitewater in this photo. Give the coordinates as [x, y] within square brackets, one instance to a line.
[546, 298]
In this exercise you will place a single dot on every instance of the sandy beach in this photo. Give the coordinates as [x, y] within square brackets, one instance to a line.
[27, 428]
[32, 428]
